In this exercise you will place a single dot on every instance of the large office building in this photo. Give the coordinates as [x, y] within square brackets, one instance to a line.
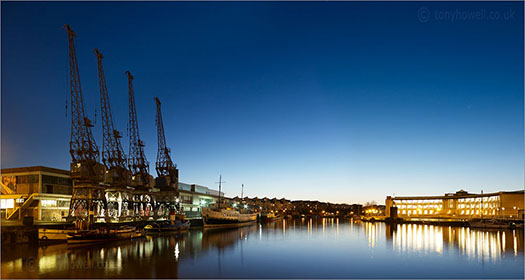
[459, 205]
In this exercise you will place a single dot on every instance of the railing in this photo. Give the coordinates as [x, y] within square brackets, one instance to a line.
[22, 207]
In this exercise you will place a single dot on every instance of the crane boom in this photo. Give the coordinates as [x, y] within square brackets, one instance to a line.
[113, 156]
[82, 146]
[137, 163]
[164, 164]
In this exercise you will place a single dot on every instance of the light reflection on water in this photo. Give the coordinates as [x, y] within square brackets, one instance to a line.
[292, 248]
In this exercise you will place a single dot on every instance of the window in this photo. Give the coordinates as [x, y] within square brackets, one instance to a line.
[27, 179]
[46, 179]
[7, 203]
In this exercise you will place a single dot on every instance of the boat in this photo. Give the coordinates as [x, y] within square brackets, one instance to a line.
[101, 235]
[217, 216]
[270, 216]
[160, 227]
[138, 233]
[490, 223]
[54, 235]
[226, 217]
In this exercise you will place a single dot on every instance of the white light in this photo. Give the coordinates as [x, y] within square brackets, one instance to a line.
[7, 203]
[48, 203]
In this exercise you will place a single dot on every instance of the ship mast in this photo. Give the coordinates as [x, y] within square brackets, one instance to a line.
[220, 186]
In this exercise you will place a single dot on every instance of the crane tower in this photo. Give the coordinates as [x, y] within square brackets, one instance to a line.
[88, 200]
[168, 174]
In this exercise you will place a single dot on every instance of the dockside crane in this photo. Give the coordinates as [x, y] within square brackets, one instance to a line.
[168, 174]
[88, 200]
[118, 177]
[137, 162]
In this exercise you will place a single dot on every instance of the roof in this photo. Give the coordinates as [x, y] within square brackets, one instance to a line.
[35, 169]
[456, 195]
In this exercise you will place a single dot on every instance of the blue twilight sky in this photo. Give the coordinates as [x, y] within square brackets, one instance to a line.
[335, 101]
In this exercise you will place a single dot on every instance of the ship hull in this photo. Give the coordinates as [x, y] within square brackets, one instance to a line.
[93, 236]
[226, 218]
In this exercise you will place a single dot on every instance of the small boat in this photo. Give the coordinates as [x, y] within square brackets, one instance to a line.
[270, 216]
[138, 233]
[54, 235]
[178, 225]
[492, 223]
[101, 235]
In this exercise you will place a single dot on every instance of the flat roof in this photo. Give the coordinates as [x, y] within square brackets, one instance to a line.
[453, 196]
[34, 169]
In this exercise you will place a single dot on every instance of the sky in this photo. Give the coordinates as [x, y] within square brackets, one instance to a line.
[346, 102]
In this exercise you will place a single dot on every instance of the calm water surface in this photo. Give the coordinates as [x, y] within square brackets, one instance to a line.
[304, 248]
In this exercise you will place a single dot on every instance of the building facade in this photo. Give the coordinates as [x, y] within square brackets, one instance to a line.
[459, 205]
[44, 193]
[193, 197]
[40, 192]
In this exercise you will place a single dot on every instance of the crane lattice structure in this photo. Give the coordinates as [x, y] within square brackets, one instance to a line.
[143, 202]
[113, 155]
[88, 201]
[137, 162]
[168, 174]
[84, 152]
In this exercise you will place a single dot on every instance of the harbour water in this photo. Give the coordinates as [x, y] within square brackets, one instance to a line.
[298, 248]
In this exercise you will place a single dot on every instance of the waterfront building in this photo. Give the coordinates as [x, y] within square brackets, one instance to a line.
[459, 205]
[40, 192]
[193, 197]
[44, 193]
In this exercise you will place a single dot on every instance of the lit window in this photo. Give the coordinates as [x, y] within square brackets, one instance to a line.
[7, 203]
[48, 203]
[426, 212]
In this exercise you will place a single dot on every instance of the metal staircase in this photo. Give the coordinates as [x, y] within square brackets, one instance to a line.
[19, 210]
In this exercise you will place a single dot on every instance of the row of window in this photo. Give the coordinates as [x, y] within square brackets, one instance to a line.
[46, 179]
[434, 206]
[436, 212]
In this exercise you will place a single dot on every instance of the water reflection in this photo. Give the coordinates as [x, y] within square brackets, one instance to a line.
[238, 252]
[474, 243]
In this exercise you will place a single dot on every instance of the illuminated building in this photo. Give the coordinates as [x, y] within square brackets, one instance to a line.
[40, 192]
[459, 205]
[193, 197]
[44, 193]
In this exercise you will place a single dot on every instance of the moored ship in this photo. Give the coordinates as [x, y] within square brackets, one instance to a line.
[214, 217]
[226, 217]
[270, 216]
[102, 235]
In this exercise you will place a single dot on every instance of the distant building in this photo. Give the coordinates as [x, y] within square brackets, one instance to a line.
[459, 205]
[373, 210]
